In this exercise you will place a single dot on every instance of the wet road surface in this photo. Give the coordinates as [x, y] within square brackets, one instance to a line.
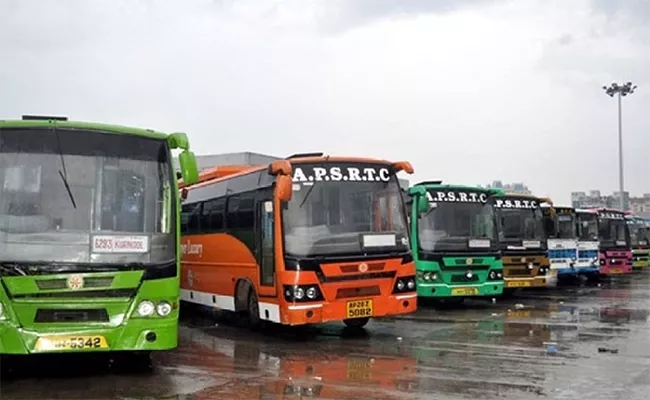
[572, 342]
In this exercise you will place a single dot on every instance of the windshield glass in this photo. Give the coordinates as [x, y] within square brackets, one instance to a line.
[613, 230]
[587, 226]
[638, 233]
[566, 226]
[453, 225]
[84, 196]
[344, 209]
[520, 219]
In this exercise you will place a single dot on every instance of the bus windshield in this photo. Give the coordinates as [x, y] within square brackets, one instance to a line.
[341, 215]
[638, 233]
[521, 223]
[587, 226]
[566, 227]
[613, 230]
[452, 226]
[85, 196]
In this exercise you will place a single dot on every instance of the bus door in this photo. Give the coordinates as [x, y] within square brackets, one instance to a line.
[265, 244]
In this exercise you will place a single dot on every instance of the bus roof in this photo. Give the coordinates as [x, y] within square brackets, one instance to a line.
[440, 185]
[609, 210]
[508, 193]
[44, 122]
[586, 211]
[218, 174]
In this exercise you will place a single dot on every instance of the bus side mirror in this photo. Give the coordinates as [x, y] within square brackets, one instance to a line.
[419, 194]
[189, 168]
[284, 187]
[403, 166]
[423, 205]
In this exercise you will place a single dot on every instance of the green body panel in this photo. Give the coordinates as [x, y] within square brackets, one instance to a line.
[641, 258]
[481, 264]
[21, 297]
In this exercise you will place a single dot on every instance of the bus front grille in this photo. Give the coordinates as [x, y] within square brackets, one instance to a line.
[46, 315]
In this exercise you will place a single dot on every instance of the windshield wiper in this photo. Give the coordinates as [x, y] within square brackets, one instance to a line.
[312, 186]
[64, 174]
[11, 269]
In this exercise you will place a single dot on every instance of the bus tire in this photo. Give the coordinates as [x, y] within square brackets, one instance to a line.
[253, 311]
[356, 322]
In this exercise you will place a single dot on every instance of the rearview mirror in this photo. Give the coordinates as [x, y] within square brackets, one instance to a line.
[284, 187]
[419, 194]
[189, 169]
[423, 205]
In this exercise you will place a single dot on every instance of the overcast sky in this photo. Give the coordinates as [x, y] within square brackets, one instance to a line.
[468, 91]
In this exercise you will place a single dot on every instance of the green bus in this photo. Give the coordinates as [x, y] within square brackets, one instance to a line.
[89, 237]
[454, 238]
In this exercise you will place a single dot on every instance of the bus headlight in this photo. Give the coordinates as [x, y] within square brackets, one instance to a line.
[404, 284]
[311, 293]
[164, 308]
[426, 276]
[301, 293]
[493, 275]
[146, 308]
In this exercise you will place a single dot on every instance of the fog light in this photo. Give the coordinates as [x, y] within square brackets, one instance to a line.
[311, 293]
[145, 308]
[164, 309]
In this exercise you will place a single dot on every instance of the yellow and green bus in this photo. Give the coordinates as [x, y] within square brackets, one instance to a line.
[89, 237]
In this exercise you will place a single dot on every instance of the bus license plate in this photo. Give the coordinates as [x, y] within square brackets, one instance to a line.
[615, 271]
[57, 343]
[517, 284]
[518, 314]
[465, 291]
[359, 309]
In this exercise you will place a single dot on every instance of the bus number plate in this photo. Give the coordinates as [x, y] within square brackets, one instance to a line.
[615, 271]
[518, 314]
[359, 309]
[465, 291]
[517, 284]
[59, 343]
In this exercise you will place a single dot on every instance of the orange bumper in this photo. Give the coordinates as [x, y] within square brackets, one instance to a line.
[382, 306]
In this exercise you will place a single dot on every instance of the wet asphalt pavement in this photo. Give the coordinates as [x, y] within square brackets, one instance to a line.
[586, 342]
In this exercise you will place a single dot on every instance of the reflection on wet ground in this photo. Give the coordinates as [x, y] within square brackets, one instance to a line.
[566, 343]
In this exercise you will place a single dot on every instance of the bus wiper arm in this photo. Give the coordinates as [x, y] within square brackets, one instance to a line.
[64, 174]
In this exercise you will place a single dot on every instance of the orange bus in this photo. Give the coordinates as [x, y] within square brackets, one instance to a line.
[304, 240]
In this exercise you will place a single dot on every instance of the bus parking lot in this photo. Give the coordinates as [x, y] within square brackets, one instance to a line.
[565, 343]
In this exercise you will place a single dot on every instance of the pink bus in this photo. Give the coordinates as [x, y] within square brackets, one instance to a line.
[615, 253]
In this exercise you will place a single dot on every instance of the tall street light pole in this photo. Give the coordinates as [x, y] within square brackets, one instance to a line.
[620, 91]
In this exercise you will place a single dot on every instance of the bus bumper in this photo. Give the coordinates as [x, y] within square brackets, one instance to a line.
[615, 270]
[533, 282]
[302, 314]
[138, 334]
[445, 290]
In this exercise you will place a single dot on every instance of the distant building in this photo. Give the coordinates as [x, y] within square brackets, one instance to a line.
[594, 198]
[518, 187]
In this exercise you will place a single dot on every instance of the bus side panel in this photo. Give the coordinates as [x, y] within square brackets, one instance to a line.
[211, 266]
